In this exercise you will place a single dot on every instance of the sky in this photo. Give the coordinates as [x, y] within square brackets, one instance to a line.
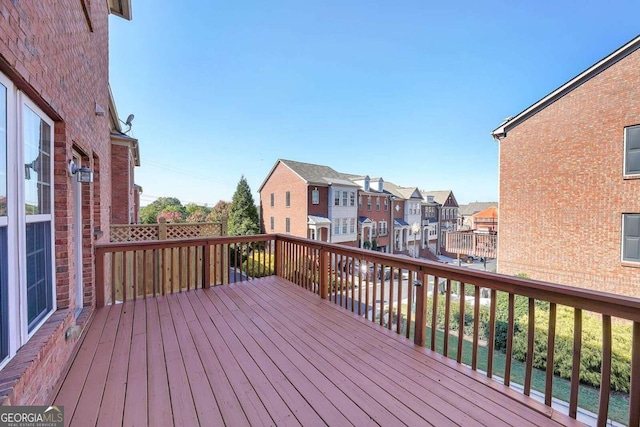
[405, 90]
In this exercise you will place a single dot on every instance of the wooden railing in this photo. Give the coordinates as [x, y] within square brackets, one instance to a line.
[134, 270]
[406, 296]
[481, 245]
[166, 231]
[412, 297]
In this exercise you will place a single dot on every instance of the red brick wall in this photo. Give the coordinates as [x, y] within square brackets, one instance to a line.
[322, 208]
[49, 51]
[377, 216]
[122, 195]
[282, 180]
[562, 192]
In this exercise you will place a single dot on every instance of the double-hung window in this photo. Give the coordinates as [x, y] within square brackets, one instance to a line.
[631, 237]
[632, 150]
[336, 198]
[26, 219]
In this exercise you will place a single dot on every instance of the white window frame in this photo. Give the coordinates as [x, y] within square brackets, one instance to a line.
[315, 197]
[624, 154]
[17, 220]
[625, 261]
[336, 197]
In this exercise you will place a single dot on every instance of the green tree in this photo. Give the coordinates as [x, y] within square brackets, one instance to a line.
[243, 214]
[149, 214]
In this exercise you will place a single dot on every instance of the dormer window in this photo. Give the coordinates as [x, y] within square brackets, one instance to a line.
[366, 184]
[380, 185]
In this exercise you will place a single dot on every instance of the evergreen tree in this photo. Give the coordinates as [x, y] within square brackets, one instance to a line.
[243, 214]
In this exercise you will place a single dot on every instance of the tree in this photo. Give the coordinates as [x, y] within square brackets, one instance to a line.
[149, 214]
[219, 211]
[196, 213]
[243, 215]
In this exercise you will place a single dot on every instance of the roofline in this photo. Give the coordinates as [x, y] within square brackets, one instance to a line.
[273, 168]
[501, 131]
[130, 141]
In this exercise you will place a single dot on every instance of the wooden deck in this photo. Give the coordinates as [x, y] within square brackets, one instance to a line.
[267, 352]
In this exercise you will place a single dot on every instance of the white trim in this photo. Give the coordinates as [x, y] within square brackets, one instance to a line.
[624, 153]
[501, 131]
[622, 239]
[17, 220]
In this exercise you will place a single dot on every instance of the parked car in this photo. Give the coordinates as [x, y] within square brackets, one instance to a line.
[469, 259]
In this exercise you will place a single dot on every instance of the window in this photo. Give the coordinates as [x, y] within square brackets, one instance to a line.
[631, 237]
[382, 227]
[26, 206]
[273, 200]
[368, 203]
[359, 202]
[377, 203]
[336, 226]
[352, 225]
[344, 226]
[386, 204]
[373, 229]
[287, 226]
[352, 198]
[288, 199]
[345, 194]
[336, 198]
[632, 150]
[272, 223]
[315, 196]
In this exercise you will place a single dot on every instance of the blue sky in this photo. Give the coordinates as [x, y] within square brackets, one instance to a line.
[406, 90]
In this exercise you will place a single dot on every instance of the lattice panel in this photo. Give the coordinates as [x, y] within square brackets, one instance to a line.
[211, 229]
[182, 231]
[133, 233]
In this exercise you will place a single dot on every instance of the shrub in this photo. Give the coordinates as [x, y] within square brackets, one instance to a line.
[259, 263]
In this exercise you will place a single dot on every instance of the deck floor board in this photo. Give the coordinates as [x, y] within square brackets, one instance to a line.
[266, 352]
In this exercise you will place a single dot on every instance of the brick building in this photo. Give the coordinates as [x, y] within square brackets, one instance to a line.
[54, 95]
[569, 181]
[125, 156]
[320, 203]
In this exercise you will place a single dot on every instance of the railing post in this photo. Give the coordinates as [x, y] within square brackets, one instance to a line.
[206, 266]
[162, 228]
[276, 257]
[419, 337]
[324, 273]
[99, 282]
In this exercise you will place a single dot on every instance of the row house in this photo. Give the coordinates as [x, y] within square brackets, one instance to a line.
[56, 187]
[407, 219]
[430, 222]
[373, 214]
[448, 215]
[320, 203]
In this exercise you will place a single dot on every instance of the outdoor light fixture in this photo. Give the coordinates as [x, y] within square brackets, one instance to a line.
[83, 174]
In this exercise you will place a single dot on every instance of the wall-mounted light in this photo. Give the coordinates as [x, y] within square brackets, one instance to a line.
[83, 174]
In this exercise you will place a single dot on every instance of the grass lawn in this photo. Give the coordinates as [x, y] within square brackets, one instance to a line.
[588, 397]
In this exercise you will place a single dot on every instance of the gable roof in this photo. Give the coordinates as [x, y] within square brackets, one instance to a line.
[312, 174]
[474, 207]
[501, 131]
[440, 196]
